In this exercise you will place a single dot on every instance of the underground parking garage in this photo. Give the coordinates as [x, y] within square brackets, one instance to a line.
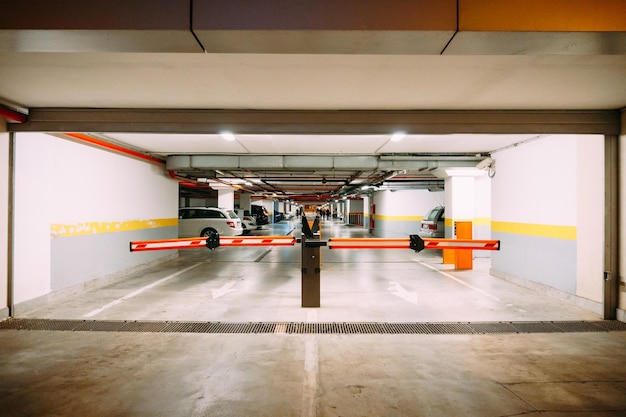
[230, 321]
[92, 328]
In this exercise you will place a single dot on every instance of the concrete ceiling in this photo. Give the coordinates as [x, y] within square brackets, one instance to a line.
[320, 70]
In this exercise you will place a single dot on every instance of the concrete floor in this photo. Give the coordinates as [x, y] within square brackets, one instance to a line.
[63, 373]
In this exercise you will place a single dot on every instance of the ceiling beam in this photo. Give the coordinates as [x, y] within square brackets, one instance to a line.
[319, 122]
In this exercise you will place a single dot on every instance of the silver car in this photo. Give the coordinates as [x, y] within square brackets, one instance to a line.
[203, 221]
[433, 224]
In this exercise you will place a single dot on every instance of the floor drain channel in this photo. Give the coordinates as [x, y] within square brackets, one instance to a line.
[313, 328]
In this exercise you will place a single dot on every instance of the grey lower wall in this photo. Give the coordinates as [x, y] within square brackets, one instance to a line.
[395, 228]
[78, 259]
[547, 261]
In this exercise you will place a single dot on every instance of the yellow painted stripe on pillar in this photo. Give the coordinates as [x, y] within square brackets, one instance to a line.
[477, 221]
[538, 230]
[398, 218]
[482, 221]
[92, 228]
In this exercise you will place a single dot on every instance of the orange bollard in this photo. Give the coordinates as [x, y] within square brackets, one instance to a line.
[464, 258]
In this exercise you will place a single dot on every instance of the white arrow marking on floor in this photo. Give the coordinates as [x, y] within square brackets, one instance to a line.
[401, 292]
[224, 289]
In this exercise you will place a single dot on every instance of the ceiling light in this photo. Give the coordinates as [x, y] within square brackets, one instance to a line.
[228, 136]
[397, 136]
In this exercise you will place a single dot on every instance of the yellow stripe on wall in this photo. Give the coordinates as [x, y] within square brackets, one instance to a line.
[92, 228]
[539, 230]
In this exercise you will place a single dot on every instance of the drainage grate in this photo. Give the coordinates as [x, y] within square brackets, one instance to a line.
[313, 328]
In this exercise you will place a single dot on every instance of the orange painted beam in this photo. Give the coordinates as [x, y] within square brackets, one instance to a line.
[81, 137]
[543, 15]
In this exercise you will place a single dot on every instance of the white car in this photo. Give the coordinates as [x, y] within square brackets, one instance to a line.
[248, 222]
[203, 221]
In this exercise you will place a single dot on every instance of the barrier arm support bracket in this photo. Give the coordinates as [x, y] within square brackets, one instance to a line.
[416, 243]
[213, 241]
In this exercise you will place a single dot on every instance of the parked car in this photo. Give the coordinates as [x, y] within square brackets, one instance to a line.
[279, 216]
[433, 224]
[202, 221]
[260, 214]
[248, 222]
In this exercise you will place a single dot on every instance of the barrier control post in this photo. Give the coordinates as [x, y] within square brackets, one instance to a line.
[311, 263]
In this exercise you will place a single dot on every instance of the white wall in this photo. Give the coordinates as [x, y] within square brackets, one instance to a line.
[398, 214]
[535, 183]
[76, 209]
[548, 209]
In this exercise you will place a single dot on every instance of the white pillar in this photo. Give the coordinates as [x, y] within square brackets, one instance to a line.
[226, 199]
[366, 211]
[459, 202]
[4, 217]
[460, 196]
[245, 201]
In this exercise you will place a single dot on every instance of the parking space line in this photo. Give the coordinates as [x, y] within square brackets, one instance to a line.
[311, 368]
[139, 291]
[263, 255]
[445, 274]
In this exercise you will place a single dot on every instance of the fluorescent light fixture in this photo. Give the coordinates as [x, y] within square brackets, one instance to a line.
[228, 136]
[397, 136]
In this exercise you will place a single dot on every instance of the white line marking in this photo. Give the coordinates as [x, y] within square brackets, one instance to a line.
[139, 291]
[311, 358]
[311, 368]
[486, 294]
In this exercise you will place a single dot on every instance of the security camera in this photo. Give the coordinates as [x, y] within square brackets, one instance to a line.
[485, 163]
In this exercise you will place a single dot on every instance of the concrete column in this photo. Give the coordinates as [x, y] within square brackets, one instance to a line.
[226, 199]
[366, 211]
[460, 196]
[621, 204]
[482, 212]
[4, 218]
[355, 211]
[245, 201]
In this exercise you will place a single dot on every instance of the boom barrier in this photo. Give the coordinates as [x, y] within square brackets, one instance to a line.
[413, 242]
[311, 244]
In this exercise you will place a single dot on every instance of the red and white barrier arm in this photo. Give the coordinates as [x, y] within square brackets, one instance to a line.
[168, 244]
[258, 241]
[200, 242]
[405, 243]
[333, 243]
[470, 244]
